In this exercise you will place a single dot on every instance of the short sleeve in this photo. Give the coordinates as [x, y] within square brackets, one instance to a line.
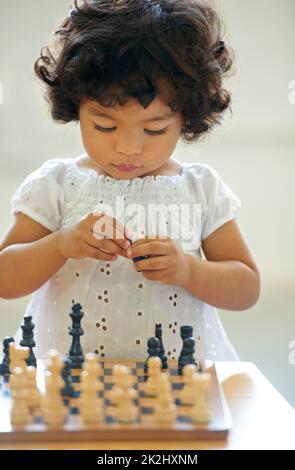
[39, 196]
[219, 204]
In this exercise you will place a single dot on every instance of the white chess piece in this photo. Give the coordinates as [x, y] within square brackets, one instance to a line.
[123, 395]
[17, 356]
[52, 404]
[20, 413]
[91, 405]
[34, 395]
[200, 412]
[120, 374]
[165, 408]
[154, 376]
[187, 395]
[54, 363]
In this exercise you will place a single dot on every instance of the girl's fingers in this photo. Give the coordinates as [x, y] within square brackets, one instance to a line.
[95, 253]
[104, 244]
[156, 263]
[110, 228]
[148, 248]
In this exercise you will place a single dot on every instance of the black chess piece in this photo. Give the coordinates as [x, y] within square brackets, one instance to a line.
[68, 389]
[186, 331]
[153, 345]
[4, 366]
[158, 334]
[138, 258]
[76, 353]
[187, 356]
[28, 339]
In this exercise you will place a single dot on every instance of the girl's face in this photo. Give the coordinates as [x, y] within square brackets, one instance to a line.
[129, 135]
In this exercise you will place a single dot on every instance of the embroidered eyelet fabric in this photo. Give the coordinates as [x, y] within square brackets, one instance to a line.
[120, 306]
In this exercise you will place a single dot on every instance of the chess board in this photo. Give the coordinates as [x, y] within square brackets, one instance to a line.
[143, 429]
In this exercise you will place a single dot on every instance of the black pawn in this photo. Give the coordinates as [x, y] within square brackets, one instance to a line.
[187, 354]
[28, 339]
[4, 366]
[186, 331]
[153, 351]
[75, 353]
[68, 389]
[138, 258]
[158, 334]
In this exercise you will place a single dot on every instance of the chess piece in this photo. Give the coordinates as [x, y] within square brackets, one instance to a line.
[53, 409]
[75, 352]
[200, 412]
[4, 366]
[34, 395]
[165, 408]
[28, 339]
[153, 350]
[137, 258]
[187, 395]
[126, 411]
[52, 404]
[154, 376]
[158, 334]
[187, 354]
[186, 331]
[91, 405]
[18, 356]
[68, 389]
[20, 413]
[118, 372]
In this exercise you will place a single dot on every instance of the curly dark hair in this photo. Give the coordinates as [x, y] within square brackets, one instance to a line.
[113, 50]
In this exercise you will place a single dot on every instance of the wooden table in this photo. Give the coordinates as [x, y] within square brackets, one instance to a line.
[262, 418]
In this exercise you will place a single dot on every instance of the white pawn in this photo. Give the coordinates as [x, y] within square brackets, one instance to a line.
[91, 405]
[200, 412]
[116, 390]
[34, 395]
[52, 404]
[126, 411]
[55, 364]
[17, 356]
[187, 395]
[120, 374]
[20, 414]
[165, 408]
[154, 376]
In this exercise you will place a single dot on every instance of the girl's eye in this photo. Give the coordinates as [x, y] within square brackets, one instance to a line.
[111, 129]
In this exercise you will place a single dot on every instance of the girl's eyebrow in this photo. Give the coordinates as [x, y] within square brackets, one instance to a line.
[96, 112]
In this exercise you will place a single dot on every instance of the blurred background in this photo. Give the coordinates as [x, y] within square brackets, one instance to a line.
[254, 151]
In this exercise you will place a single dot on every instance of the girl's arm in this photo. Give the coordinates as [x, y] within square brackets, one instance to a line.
[229, 278]
[29, 256]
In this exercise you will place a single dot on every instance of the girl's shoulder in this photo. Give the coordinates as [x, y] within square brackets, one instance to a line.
[54, 168]
[201, 171]
[203, 179]
[55, 171]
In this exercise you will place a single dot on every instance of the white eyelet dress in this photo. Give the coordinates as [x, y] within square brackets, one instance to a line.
[120, 306]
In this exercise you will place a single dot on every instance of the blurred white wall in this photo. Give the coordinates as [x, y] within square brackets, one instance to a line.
[254, 151]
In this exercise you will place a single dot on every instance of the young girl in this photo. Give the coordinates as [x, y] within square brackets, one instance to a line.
[137, 75]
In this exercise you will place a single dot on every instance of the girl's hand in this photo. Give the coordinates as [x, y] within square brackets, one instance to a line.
[96, 236]
[167, 262]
